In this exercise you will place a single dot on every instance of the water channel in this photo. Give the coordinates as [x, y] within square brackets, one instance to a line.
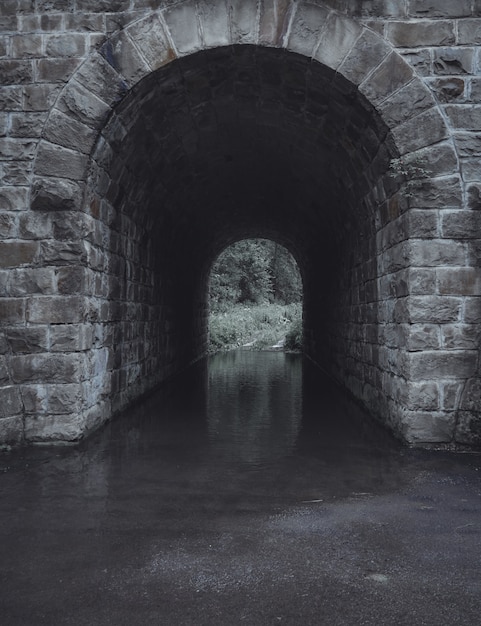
[251, 490]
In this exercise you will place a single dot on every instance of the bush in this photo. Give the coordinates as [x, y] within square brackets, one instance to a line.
[294, 336]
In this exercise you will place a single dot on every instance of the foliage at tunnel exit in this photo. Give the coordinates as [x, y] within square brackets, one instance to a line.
[255, 298]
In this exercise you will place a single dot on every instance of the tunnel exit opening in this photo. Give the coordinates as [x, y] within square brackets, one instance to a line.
[255, 298]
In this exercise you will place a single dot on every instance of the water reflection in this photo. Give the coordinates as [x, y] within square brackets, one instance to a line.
[254, 405]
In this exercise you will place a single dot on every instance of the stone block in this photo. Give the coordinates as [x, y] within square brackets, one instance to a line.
[471, 170]
[66, 45]
[56, 194]
[26, 45]
[33, 280]
[419, 59]
[469, 31]
[460, 337]
[433, 309]
[422, 224]
[436, 193]
[471, 395]
[54, 160]
[182, 23]
[428, 427]
[337, 40]
[468, 428]
[102, 6]
[83, 105]
[11, 430]
[63, 252]
[307, 24]
[411, 34]
[100, 78]
[423, 396]
[27, 340]
[243, 21]
[442, 365]
[34, 398]
[13, 310]
[16, 253]
[155, 45]
[422, 281]
[55, 70]
[69, 133]
[47, 368]
[450, 394]
[453, 61]
[54, 428]
[274, 21]
[436, 252]
[17, 148]
[391, 75]
[55, 309]
[367, 54]
[439, 8]
[65, 399]
[214, 22]
[8, 225]
[34, 225]
[71, 337]
[419, 337]
[425, 129]
[40, 97]
[16, 72]
[394, 110]
[463, 281]
[464, 117]
[27, 124]
[449, 90]
[123, 56]
[461, 225]
[72, 280]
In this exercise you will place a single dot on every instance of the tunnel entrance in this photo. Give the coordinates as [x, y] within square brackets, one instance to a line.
[239, 142]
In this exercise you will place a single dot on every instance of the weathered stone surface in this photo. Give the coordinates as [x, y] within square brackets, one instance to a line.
[367, 54]
[394, 111]
[466, 117]
[337, 39]
[453, 61]
[27, 124]
[183, 25]
[433, 253]
[460, 337]
[469, 31]
[424, 427]
[459, 281]
[461, 224]
[425, 129]
[83, 105]
[71, 337]
[243, 21]
[12, 310]
[33, 280]
[124, 57]
[46, 368]
[56, 70]
[439, 8]
[57, 428]
[156, 47]
[11, 429]
[306, 26]
[54, 160]
[15, 72]
[391, 75]
[56, 194]
[17, 253]
[450, 89]
[417, 35]
[436, 193]
[69, 133]
[433, 309]
[55, 310]
[27, 340]
[65, 45]
[468, 428]
[442, 365]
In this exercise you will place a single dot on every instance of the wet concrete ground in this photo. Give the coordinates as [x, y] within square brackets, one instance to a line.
[209, 505]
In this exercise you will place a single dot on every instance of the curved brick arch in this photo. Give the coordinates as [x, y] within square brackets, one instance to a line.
[341, 44]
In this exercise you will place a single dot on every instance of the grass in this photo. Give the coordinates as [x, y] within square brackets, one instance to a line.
[257, 327]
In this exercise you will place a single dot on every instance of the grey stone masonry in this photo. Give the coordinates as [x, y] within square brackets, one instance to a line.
[138, 138]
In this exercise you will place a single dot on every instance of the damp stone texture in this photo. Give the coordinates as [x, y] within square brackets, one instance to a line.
[139, 138]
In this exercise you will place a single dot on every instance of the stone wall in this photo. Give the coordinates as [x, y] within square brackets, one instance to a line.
[98, 303]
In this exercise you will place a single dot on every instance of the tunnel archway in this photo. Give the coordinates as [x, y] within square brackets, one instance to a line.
[225, 144]
[182, 144]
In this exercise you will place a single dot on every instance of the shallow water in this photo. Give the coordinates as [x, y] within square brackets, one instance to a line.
[250, 490]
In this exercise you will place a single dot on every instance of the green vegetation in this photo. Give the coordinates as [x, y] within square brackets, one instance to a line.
[255, 298]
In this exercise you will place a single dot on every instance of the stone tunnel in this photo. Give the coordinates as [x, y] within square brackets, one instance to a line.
[191, 125]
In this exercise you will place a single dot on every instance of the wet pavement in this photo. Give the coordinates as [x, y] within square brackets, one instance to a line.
[253, 492]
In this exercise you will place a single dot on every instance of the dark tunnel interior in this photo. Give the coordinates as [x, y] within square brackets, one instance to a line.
[226, 144]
